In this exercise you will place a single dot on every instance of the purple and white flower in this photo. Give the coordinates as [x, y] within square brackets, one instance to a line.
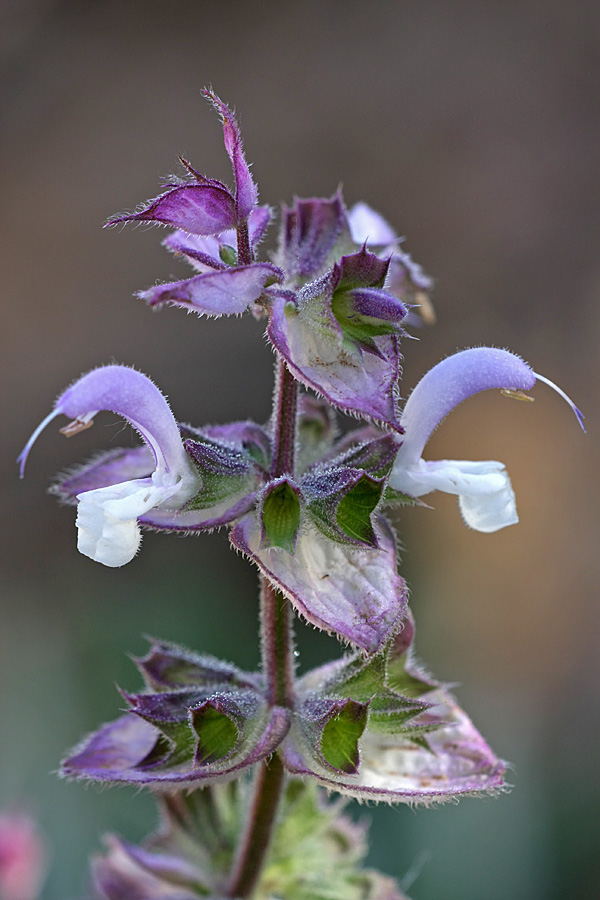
[485, 494]
[107, 516]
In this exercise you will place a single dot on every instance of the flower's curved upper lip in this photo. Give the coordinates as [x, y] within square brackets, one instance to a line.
[456, 378]
[130, 394]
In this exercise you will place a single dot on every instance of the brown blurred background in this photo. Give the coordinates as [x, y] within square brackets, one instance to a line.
[475, 128]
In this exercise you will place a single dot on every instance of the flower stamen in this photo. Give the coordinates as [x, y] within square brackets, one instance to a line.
[578, 414]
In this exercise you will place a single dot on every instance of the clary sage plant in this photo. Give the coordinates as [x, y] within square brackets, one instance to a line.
[237, 759]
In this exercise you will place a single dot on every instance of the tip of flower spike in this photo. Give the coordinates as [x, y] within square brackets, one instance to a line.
[578, 414]
[231, 129]
[22, 457]
[225, 112]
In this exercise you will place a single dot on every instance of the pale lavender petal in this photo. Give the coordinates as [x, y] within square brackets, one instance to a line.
[137, 463]
[354, 592]
[452, 381]
[197, 208]
[134, 464]
[486, 498]
[369, 227]
[360, 383]
[129, 394]
[394, 769]
[224, 293]
[107, 516]
[406, 277]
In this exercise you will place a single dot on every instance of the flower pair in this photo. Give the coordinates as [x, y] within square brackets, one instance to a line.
[317, 535]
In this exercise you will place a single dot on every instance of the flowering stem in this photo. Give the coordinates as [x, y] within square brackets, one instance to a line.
[277, 665]
[244, 250]
[284, 421]
[261, 818]
[277, 646]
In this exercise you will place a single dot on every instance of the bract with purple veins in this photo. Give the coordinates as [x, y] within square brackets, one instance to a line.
[354, 592]
[182, 738]
[198, 208]
[339, 336]
[200, 720]
[310, 232]
[416, 745]
[396, 768]
[365, 385]
[227, 292]
[205, 206]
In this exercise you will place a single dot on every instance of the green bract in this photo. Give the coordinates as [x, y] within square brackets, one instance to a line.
[280, 515]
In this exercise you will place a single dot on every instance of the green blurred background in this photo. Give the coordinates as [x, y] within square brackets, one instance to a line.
[474, 127]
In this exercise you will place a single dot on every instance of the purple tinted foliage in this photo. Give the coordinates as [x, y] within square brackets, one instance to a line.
[223, 293]
[205, 252]
[118, 751]
[395, 768]
[356, 593]
[196, 208]
[246, 192]
[309, 231]
[359, 383]
[406, 279]
[362, 269]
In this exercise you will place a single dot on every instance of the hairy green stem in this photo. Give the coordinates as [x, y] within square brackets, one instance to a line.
[277, 666]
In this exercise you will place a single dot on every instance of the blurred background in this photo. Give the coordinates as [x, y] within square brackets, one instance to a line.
[474, 127]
